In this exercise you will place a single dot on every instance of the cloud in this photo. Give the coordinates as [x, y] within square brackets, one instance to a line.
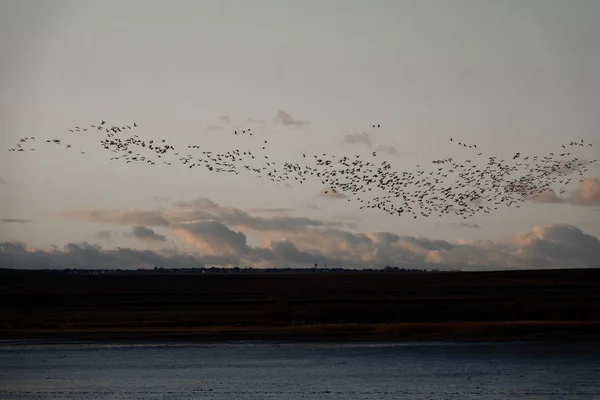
[312, 206]
[214, 238]
[286, 119]
[148, 218]
[88, 256]
[161, 198]
[387, 149]
[241, 219]
[331, 193]
[3, 182]
[203, 209]
[214, 128]
[256, 121]
[275, 223]
[200, 202]
[467, 225]
[219, 233]
[270, 210]
[225, 119]
[547, 196]
[287, 252]
[143, 233]
[103, 235]
[15, 220]
[558, 245]
[363, 138]
[587, 194]
[550, 246]
[358, 138]
[349, 218]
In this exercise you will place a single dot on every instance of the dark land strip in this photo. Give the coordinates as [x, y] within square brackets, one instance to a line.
[557, 305]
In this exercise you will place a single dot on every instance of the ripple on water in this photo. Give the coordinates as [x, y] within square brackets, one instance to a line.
[298, 371]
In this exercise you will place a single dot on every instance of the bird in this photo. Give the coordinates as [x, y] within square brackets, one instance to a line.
[462, 188]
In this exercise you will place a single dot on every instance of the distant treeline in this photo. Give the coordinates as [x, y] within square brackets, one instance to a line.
[234, 270]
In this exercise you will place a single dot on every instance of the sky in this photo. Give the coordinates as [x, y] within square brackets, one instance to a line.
[308, 77]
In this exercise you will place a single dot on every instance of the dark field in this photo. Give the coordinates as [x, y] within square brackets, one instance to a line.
[512, 305]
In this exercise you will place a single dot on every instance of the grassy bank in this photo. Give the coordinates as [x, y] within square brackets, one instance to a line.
[558, 305]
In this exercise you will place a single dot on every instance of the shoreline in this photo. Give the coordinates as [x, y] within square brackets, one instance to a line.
[509, 331]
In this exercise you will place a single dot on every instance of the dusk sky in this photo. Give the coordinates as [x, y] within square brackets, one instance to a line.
[309, 77]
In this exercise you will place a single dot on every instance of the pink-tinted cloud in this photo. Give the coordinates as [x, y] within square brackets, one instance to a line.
[221, 232]
[551, 246]
[202, 209]
[147, 218]
[587, 194]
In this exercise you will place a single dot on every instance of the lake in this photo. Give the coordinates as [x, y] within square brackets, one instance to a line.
[299, 371]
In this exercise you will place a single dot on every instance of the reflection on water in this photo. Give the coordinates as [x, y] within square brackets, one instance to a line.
[299, 371]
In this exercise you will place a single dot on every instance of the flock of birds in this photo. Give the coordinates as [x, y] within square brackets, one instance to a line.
[464, 188]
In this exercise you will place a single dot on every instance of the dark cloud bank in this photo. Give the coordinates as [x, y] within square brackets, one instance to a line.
[15, 221]
[218, 236]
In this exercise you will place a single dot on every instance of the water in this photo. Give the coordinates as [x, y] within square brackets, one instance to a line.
[299, 371]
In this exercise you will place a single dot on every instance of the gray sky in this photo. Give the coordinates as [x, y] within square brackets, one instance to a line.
[507, 75]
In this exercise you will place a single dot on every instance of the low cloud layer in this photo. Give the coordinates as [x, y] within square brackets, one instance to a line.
[216, 243]
[219, 234]
[15, 221]
[89, 256]
[286, 119]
